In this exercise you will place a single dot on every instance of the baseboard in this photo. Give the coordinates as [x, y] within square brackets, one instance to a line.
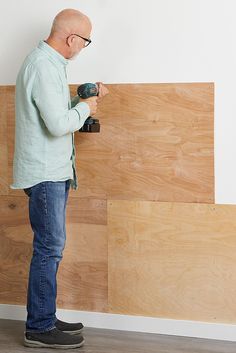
[219, 331]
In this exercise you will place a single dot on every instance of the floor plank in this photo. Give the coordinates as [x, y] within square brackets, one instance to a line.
[111, 341]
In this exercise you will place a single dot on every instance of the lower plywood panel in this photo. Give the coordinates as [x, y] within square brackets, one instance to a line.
[88, 211]
[15, 249]
[82, 277]
[172, 260]
[82, 280]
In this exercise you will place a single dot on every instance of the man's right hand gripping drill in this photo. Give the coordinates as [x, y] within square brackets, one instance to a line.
[92, 103]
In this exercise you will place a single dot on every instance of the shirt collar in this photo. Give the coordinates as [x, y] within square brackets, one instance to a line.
[57, 57]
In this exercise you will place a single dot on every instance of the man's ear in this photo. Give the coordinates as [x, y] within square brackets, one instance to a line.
[70, 40]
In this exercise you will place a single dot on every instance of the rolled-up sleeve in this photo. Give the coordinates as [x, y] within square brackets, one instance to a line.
[49, 98]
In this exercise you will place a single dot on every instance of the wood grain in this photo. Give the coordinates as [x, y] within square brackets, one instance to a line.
[82, 277]
[85, 210]
[15, 250]
[172, 260]
[82, 281]
[156, 143]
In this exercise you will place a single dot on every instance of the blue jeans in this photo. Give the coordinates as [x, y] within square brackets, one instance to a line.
[47, 209]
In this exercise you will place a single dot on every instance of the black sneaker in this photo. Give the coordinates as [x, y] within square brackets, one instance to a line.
[53, 339]
[71, 328]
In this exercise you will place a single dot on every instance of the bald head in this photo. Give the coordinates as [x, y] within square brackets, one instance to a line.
[68, 30]
[70, 21]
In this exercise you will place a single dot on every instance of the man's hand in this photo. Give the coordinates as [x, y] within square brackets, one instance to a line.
[92, 102]
[102, 90]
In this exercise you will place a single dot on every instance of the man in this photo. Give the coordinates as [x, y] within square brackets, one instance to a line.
[44, 166]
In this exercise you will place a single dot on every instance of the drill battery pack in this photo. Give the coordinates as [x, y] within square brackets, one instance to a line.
[90, 125]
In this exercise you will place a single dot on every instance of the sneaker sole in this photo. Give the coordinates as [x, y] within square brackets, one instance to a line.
[73, 332]
[38, 344]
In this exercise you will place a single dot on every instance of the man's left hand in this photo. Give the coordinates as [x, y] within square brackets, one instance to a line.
[102, 90]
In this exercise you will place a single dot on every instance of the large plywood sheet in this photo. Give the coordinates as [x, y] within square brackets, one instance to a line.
[156, 143]
[172, 260]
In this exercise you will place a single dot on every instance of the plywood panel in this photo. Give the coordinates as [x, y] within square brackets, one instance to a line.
[172, 260]
[15, 250]
[83, 272]
[82, 277]
[156, 143]
[88, 211]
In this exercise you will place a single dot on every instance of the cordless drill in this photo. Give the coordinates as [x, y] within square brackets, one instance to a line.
[85, 91]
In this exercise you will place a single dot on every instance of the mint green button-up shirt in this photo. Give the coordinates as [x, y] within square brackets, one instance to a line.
[46, 119]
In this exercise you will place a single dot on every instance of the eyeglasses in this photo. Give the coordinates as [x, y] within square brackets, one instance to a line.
[87, 41]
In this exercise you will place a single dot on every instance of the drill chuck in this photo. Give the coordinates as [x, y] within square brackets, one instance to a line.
[87, 90]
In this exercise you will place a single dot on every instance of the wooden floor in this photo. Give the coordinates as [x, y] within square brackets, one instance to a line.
[110, 341]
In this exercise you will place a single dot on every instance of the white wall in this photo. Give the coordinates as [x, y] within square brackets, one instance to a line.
[143, 41]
